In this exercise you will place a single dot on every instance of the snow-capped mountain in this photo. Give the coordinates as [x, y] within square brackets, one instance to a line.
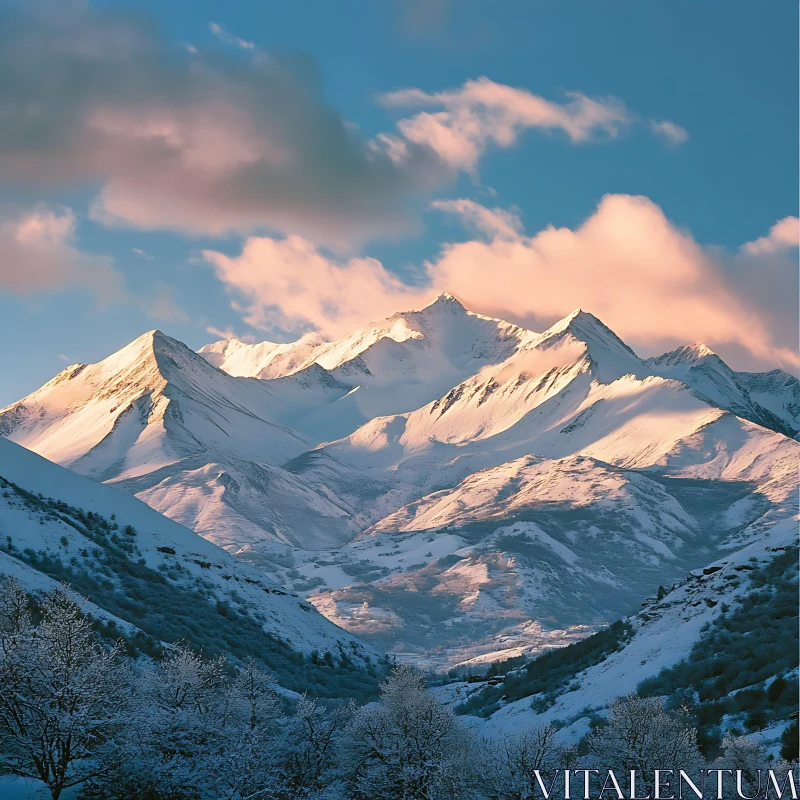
[439, 475]
[144, 572]
[145, 407]
[770, 399]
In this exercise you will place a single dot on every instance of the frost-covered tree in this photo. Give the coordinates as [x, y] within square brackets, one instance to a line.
[63, 696]
[312, 759]
[174, 728]
[510, 766]
[407, 746]
[244, 758]
[642, 735]
[750, 764]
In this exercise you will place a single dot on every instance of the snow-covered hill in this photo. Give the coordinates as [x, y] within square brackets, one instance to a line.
[440, 476]
[147, 573]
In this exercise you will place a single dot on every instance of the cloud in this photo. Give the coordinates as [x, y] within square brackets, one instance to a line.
[491, 222]
[229, 38]
[783, 235]
[672, 133]
[193, 142]
[483, 112]
[217, 144]
[289, 285]
[627, 263]
[142, 253]
[38, 253]
[228, 333]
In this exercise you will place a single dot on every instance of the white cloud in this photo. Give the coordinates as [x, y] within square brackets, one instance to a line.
[672, 133]
[228, 38]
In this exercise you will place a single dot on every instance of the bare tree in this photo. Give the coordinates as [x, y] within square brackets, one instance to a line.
[642, 735]
[62, 695]
[244, 760]
[511, 766]
[313, 740]
[407, 746]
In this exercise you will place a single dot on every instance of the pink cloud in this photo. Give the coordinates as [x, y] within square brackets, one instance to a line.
[784, 234]
[39, 253]
[491, 222]
[483, 112]
[649, 281]
[289, 284]
[627, 263]
[222, 143]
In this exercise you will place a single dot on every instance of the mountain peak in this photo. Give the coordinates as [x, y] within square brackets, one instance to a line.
[689, 355]
[610, 356]
[445, 301]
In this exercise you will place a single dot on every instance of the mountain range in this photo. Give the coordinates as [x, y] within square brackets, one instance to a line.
[447, 486]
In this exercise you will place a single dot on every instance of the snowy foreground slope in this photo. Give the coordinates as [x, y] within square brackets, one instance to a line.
[448, 486]
[144, 560]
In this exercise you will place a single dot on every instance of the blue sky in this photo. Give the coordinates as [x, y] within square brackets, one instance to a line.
[724, 74]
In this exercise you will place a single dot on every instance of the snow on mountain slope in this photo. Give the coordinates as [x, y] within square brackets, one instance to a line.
[517, 555]
[38, 538]
[392, 366]
[663, 634]
[144, 407]
[451, 471]
[777, 391]
[240, 504]
[704, 371]
[447, 330]
[525, 483]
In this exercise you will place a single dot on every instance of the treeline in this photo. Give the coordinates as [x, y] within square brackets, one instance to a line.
[547, 675]
[77, 713]
[744, 665]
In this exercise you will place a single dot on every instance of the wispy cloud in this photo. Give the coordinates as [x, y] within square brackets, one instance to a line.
[481, 112]
[228, 333]
[463, 122]
[142, 254]
[672, 133]
[228, 38]
[39, 253]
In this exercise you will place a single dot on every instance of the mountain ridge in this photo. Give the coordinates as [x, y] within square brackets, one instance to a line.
[348, 478]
